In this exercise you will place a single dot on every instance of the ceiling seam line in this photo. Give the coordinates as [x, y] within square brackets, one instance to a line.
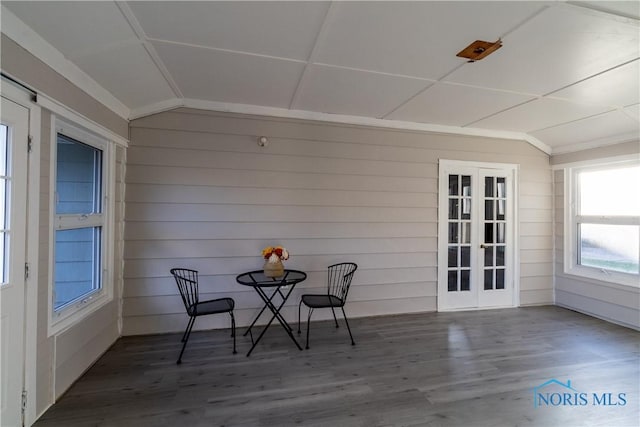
[574, 120]
[295, 98]
[148, 47]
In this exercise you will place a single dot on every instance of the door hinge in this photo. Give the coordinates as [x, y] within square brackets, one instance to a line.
[29, 143]
[26, 270]
[24, 405]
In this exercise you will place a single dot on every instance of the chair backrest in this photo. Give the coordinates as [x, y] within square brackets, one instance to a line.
[339, 279]
[187, 281]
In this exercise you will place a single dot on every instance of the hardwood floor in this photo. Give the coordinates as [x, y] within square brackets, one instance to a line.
[435, 369]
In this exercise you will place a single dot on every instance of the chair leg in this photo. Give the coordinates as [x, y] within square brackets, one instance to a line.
[309, 325]
[299, 306]
[334, 317]
[233, 331]
[191, 319]
[348, 328]
[187, 334]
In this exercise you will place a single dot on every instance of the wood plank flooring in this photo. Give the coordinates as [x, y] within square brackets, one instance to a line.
[434, 369]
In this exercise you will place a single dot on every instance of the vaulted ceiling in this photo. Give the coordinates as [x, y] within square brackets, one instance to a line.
[567, 76]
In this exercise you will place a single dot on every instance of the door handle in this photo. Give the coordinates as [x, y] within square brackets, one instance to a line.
[482, 246]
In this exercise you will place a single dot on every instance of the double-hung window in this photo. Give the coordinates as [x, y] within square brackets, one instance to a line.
[80, 226]
[604, 221]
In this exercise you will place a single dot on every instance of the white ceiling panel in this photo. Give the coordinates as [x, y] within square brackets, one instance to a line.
[138, 84]
[618, 87]
[634, 111]
[563, 64]
[282, 29]
[629, 8]
[74, 27]
[414, 38]
[455, 105]
[539, 114]
[606, 126]
[231, 77]
[344, 91]
[560, 46]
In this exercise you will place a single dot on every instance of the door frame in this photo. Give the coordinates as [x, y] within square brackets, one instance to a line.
[444, 166]
[22, 97]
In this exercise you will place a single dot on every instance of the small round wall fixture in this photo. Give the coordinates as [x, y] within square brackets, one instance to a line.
[263, 141]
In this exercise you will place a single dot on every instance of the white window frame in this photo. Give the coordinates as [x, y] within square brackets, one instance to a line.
[573, 218]
[72, 313]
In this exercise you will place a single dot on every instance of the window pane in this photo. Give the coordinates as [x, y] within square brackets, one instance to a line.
[466, 185]
[501, 210]
[453, 208]
[78, 177]
[453, 185]
[488, 186]
[488, 256]
[77, 264]
[453, 232]
[500, 279]
[488, 209]
[452, 284]
[466, 232]
[466, 208]
[610, 192]
[488, 279]
[465, 256]
[611, 247]
[464, 280]
[501, 187]
[488, 233]
[501, 236]
[453, 256]
[500, 256]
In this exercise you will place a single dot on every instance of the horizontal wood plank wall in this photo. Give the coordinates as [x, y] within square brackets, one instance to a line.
[202, 194]
[612, 302]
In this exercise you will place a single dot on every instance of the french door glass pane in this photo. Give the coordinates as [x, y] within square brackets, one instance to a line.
[488, 256]
[465, 256]
[466, 185]
[488, 186]
[453, 208]
[465, 284]
[488, 280]
[488, 209]
[500, 256]
[4, 141]
[453, 185]
[501, 187]
[466, 208]
[500, 237]
[612, 247]
[453, 232]
[500, 279]
[488, 232]
[453, 256]
[452, 281]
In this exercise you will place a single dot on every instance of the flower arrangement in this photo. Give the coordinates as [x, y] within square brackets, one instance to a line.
[275, 254]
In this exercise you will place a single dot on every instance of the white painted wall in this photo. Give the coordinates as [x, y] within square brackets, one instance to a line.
[202, 194]
[62, 358]
[609, 301]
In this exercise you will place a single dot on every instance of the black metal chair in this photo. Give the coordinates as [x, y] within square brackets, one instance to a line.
[187, 281]
[338, 283]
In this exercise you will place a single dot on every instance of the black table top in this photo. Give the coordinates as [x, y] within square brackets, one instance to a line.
[258, 279]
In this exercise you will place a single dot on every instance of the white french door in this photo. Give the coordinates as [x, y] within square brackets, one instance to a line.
[13, 214]
[476, 235]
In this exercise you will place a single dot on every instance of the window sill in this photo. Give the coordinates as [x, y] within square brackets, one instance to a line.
[612, 280]
[70, 316]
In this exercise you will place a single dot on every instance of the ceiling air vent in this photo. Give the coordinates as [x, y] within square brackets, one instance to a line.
[479, 49]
